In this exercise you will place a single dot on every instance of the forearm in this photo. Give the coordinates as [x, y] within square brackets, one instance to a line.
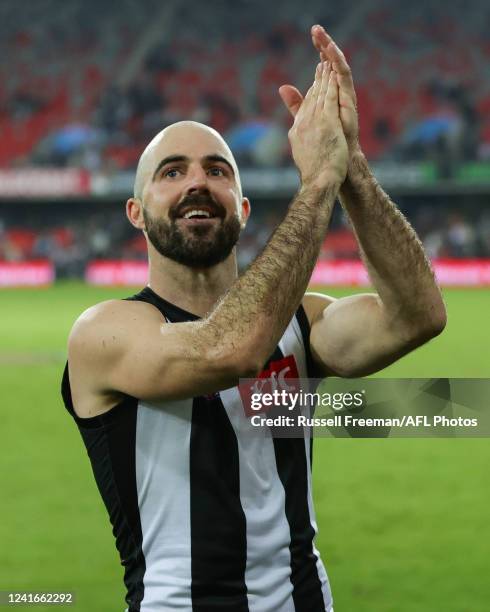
[255, 312]
[392, 251]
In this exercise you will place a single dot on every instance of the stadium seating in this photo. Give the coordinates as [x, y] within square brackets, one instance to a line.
[97, 64]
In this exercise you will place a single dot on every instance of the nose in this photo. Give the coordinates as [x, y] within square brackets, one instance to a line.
[198, 181]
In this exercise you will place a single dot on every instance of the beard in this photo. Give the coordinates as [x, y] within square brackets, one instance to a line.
[199, 246]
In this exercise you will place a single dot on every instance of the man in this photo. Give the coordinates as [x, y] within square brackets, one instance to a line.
[205, 518]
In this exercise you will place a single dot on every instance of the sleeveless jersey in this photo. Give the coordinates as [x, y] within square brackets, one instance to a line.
[207, 519]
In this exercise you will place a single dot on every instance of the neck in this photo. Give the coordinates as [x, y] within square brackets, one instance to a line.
[196, 291]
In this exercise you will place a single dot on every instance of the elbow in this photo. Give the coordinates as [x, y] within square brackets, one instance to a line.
[430, 324]
[437, 319]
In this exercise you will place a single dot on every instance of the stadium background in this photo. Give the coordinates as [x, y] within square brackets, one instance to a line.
[84, 85]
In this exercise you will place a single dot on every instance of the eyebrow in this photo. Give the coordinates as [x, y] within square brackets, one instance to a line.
[183, 158]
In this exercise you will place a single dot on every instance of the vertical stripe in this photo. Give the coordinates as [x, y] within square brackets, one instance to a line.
[293, 470]
[312, 371]
[110, 440]
[262, 498]
[218, 526]
[124, 515]
[162, 471]
[322, 574]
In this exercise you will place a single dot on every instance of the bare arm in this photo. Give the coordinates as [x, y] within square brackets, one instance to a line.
[123, 347]
[393, 253]
[361, 334]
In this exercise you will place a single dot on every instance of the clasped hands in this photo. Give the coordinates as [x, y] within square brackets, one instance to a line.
[331, 96]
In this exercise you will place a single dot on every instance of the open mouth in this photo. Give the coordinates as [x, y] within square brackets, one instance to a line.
[198, 214]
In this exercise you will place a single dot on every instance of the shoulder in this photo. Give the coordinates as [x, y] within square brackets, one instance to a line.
[101, 338]
[115, 310]
[109, 323]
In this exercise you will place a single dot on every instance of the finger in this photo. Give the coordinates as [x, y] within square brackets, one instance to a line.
[320, 103]
[329, 69]
[345, 100]
[309, 101]
[291, 97]
[315, 88]
[320, 38]
[310, 91]
[342, 68]
[332, 98]
[328, 49]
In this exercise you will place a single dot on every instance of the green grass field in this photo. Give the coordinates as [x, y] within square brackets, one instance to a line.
[403, 522]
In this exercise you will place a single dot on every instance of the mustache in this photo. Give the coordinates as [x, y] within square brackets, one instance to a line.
[201, 199]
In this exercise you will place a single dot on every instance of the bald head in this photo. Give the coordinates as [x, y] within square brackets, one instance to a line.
[181, 138]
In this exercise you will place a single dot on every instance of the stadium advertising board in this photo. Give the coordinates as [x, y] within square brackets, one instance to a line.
[123, 273]
[449, 272]
[44, 183]
[26, 273]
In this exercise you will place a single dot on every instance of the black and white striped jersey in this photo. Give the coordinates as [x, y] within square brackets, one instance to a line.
[207, 518]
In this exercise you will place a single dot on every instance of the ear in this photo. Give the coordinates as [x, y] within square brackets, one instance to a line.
[246, 208]
[134, 212]
[291, 97]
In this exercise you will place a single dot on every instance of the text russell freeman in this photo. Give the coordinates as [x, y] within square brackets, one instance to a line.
[347, 420]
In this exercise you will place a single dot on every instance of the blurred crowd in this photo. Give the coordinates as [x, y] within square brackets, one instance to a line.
[72, 244]
[88, 83]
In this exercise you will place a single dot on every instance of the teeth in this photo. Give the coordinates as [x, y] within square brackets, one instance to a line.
[192, 213]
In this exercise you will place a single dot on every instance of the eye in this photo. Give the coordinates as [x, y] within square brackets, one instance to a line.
[217, 171]
[171, 172]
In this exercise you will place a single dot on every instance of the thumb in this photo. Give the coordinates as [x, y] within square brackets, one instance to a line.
[291, 97]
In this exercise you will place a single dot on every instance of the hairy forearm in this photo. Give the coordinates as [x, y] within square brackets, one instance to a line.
[392, 251]
[254, 313]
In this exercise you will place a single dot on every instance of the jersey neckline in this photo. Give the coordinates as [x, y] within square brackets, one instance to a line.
[179, 313]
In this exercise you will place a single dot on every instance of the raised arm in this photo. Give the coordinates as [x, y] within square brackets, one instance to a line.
[126, 347]
[360, 334]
